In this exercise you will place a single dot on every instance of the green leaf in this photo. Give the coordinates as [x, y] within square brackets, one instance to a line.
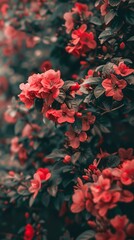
[109, 16]
[31, 201]
[96, 21]
[92, 80]
[98, 91]
[131, 39]
[116, 24]
[19, 126]
[130, 17]
[130, 79]
[114, 3]
[87, 235]
[61, 96]
[52, 190]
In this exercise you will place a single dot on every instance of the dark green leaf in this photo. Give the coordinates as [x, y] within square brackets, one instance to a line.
[109, 16]
[114, 3]
[19, 126]
[92, 80]
[98, 91]
[96, 21]
[87, 235]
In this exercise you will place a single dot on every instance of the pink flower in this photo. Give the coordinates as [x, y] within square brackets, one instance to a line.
[69, 23]
[35, 185]
[81, 8]
[15, 146]
[119, 222]
[122, 69]
[51, 83]
[113, 87]
[103, 8]
[53, 114]
[87, 120]
[127, 172]
[29, 129]
[79, 197]
[45, 85]
[75, 138]
[67, 115]
[44, 174]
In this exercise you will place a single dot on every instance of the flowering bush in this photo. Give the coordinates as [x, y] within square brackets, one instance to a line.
[67, 117]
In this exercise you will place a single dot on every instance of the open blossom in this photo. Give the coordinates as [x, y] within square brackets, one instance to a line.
[35, 185]
[122, 69]
[53, 114]
[60, 116]
[51, 83]
[113, 87]
[87, 120]
[79, 197]
[119, 222]
[75, 138]
[67, 115]
[45, 85]
[81, 42]
[29, 232]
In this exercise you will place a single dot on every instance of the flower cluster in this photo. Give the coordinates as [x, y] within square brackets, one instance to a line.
[79, 9]
[44, 86]
[106, 192]
[82, 41]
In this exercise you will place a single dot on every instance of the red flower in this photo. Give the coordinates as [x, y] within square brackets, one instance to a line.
[87, 120]
[113, 87]
[29, 232]
[98, 188]
[51, 83]
[81, 8]
[45, 85]
[75, 138]
[79, 197]
[119, 222]
[44, 174]
[35, 185]
[127, 173]
[29, 129]
[122, 69]
[67, 115]
[53, 114]
[81, 42]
